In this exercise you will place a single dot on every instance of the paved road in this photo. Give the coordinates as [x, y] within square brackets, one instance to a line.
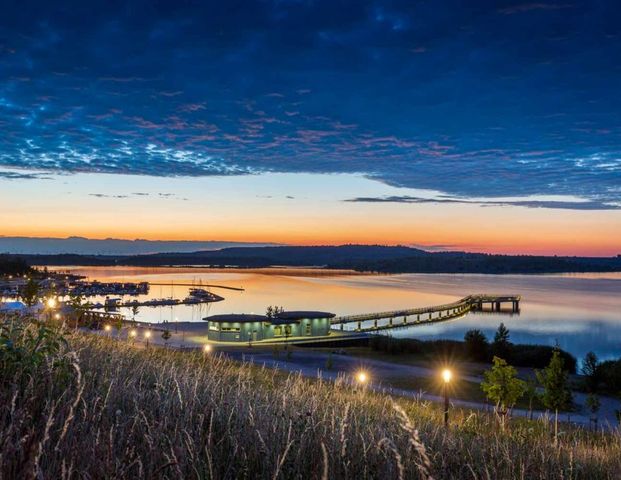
[312, 364]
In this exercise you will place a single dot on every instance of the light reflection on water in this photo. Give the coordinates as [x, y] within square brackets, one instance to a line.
[581, 312]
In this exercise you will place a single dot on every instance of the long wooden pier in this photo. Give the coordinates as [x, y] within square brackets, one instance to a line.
[433, 314]
[196, 285]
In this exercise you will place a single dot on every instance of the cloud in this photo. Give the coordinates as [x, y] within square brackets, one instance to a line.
[553, 204]
[457, 99]
[8, 175]
[139, 194]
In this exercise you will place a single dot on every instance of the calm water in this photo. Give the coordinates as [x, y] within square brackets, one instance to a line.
[581, 312]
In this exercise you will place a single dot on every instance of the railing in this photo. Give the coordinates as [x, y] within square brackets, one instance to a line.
[468, 302]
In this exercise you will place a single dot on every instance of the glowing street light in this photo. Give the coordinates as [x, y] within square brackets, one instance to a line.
[447, 376]
[207, 348]
[51, 302]
[147, 335]
[362, 377]
[107, 328]
[133, 333]
[57, 316]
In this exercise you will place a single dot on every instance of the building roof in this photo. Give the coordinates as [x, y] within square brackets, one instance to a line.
[236, 318]
[302, 314]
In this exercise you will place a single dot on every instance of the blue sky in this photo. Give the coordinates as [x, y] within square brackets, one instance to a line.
[471, 100]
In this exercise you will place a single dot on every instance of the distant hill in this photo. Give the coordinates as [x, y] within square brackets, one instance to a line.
[108, 246]
[375, 258]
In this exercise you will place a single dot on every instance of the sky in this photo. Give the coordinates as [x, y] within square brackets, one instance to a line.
[482, 125]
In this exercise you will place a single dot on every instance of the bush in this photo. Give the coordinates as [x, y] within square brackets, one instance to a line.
[538, 356]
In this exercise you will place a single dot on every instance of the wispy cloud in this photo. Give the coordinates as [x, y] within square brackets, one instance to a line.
[554, 204]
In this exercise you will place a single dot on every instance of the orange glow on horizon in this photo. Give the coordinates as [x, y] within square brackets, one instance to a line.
[244, 209]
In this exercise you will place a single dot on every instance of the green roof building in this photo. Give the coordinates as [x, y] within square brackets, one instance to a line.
[252, 328]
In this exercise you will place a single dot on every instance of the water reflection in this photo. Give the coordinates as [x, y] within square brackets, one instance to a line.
[581, 312]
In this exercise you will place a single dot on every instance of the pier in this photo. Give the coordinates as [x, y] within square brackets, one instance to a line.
[196, 285]
[433, 314]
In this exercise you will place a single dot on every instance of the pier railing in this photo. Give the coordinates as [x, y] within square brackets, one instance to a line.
[444, 311]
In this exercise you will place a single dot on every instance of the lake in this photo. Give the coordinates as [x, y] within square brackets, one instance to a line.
[581, 312]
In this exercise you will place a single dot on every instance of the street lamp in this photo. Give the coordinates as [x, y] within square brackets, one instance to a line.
[107, 328]
[447, 375]
[207, 348]
[362, 377]
[132, 334]
[147, 335]
[51, 302]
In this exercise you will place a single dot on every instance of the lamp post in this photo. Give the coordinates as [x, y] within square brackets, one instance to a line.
[107, 329]
[51, 304]
[447, 375]
[362, 378]
[207, 349]
[132, 334]
[147, 335]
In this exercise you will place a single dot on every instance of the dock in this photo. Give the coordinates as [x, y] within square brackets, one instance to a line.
[433, 314]
[197, 285]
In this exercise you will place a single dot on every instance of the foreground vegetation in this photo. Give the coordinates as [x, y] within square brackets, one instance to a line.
[78, 406]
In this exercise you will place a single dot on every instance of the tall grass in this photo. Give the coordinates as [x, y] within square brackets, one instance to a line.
[95, 408]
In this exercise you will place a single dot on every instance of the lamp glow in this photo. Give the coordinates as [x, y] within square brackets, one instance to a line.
[207, 348]
[447, 375]
[362, 377]
[51, 303]
[147, 334]
[107, 328]
[133, 333]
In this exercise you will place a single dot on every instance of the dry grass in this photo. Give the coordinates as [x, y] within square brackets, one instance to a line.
[101, 409]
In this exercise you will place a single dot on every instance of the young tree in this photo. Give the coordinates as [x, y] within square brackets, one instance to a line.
[476, 345]
[593, 403]
[531, 394]
[135, 311]
[590, 370]
[502, 386]
[556, 391]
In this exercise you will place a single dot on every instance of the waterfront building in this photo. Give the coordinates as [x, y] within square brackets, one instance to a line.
[251, 328]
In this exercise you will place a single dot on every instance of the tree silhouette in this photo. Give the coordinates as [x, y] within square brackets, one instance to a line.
[476, 345]
[30, 292]
[590, 370]
[501, 346]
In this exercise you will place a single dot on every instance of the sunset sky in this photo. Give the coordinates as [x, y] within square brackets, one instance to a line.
[482, 126]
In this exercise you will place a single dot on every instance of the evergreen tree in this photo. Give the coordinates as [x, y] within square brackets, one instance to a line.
[556, 391]
[501, 346]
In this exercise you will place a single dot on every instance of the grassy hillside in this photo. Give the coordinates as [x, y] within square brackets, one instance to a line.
[82, 406]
